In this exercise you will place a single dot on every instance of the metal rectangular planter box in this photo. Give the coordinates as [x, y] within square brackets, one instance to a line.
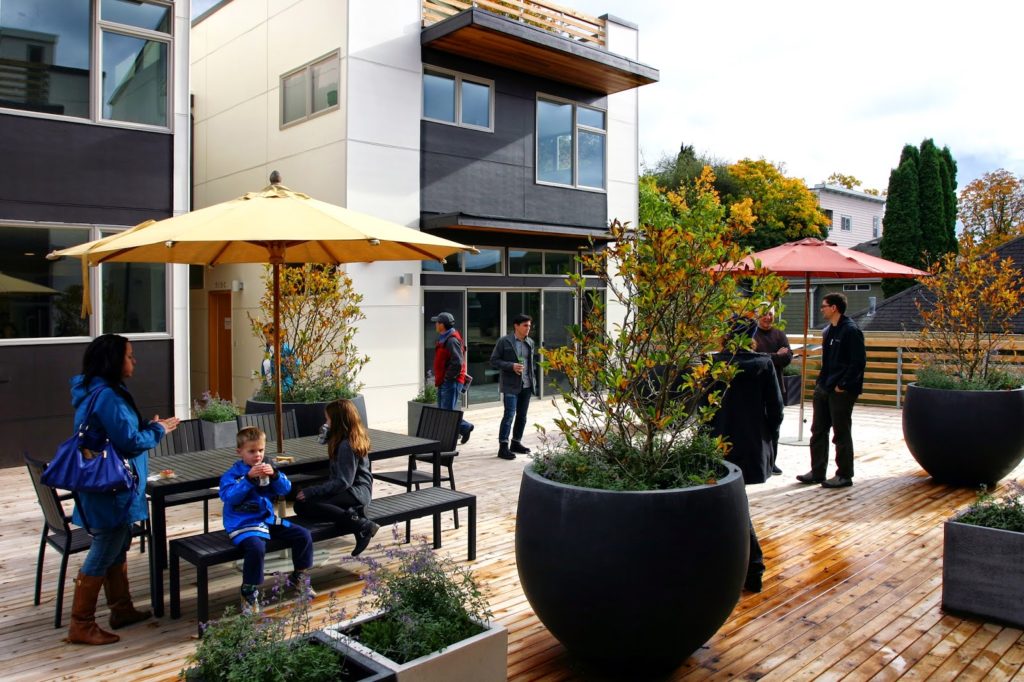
[219, 434]
[481, 658]
[415, 409]
[983, 573]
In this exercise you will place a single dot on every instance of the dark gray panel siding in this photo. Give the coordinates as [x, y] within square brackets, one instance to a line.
[492, 174]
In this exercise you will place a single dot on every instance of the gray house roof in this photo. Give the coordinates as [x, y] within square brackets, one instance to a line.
[899, 312]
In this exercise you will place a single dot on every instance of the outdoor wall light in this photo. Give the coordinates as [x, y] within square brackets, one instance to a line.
[237, 285]
[406, 279]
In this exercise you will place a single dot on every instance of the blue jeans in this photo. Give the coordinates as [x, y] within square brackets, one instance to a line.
[109, 548]
[448, 394]
[516, 405]
[255, 549]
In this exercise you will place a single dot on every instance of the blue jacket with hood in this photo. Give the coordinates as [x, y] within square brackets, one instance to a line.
[114, 417]
[249, 507]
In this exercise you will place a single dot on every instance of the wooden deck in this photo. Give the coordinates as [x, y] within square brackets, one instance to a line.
[852, 590]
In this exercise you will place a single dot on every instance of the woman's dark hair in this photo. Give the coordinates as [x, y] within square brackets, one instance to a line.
[345, 423]
[104, 359]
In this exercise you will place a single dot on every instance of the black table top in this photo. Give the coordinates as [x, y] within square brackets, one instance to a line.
[203, 468]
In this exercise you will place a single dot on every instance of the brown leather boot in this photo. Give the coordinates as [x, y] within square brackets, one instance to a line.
[119, 598]
[83, 629]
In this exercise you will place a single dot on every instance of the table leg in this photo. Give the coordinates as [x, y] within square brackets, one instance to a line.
[158, 524]
[437, 483]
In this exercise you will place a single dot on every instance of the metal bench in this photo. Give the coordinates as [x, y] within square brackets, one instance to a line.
[210, 549]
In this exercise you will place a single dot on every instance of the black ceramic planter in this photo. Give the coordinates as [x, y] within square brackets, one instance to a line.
[309, 416]
[632, 580]
[967, 438]
[983, 573]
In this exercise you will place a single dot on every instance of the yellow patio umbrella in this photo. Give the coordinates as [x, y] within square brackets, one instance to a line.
[275, 225]
[14, 285]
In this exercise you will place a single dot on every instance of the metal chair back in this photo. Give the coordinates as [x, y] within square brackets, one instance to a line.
[267, 422]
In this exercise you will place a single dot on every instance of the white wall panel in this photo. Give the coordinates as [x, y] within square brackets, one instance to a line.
[303, 32]
[228, 82]
[384, 104]
[394, 42]
[240, 135]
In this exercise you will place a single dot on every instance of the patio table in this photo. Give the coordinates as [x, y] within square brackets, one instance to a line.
[202, 469]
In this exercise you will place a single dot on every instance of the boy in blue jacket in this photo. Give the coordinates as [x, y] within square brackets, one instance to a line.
[248, 490]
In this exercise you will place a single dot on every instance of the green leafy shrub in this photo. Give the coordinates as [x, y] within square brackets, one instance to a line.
[1004, 514]
[427, 602]
[427, 394]
[213, 408]
[945, 377]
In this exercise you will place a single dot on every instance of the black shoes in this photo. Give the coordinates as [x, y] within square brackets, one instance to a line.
[367, 529]
[753, 582]
[504, 452]
[776, 471]
[837, 481]
[519, 448]
[809, 477]
[465, 436]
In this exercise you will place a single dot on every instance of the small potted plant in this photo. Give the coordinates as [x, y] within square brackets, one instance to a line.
[425, 618]
[253, 646]
[961, 418]
[983, 559]
[218, 420]
[426, 396]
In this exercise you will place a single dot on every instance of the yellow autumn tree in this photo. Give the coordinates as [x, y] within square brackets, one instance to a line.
[784, 209]
[992, 207]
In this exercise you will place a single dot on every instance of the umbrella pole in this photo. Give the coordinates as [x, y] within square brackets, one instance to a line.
[803, 365]
[278, 409]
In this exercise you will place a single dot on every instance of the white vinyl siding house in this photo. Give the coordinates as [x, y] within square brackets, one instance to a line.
[854, 214]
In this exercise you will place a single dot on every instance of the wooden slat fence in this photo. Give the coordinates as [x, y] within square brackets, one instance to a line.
[541, 14]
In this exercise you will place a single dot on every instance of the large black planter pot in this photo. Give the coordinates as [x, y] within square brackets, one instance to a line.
[632, 581]
[965, 438]
[310, 416]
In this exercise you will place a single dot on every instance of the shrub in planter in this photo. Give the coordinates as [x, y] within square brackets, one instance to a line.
[426, 396]
[631, 439]
[983, 559]
[218, 417]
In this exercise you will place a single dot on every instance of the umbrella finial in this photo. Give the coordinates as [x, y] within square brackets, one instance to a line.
[275, 178]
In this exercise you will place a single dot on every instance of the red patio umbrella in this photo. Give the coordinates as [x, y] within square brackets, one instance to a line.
[809, 258]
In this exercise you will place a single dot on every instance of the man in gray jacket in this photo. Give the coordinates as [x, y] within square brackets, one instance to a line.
[513, 355]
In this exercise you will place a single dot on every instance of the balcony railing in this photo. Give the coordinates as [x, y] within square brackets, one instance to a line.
[547, 16]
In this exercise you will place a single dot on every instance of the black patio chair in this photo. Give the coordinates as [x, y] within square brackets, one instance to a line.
[58, 533]
[188, 437]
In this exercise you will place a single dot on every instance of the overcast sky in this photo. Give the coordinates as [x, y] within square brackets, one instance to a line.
[828, 86]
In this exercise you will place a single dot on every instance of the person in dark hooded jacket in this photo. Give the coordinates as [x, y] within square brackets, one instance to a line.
[749, 419]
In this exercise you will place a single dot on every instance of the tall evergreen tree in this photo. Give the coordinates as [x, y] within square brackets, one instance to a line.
[910, 152]
[932, 203]
[901, 237]
[952, 208]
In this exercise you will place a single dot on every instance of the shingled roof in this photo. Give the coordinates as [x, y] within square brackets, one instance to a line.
[899, 312]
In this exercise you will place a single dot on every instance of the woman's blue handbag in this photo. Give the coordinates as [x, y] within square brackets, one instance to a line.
[87, 464]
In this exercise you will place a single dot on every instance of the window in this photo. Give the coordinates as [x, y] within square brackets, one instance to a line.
[540, 262]
[571, 145]
[828, 215]
[856, 287]
[845, 223]
[310, 90]
[488, 261]
[876, 227]
[458, 99]
[47, 47]
[134, 296]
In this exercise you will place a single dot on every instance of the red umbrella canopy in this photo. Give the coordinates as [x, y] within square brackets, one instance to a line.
[816, 258]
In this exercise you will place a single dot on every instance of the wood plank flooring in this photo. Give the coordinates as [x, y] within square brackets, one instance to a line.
[852, 591]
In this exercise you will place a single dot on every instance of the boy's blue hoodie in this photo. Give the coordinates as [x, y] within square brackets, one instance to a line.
[249, 507]
[112, 417]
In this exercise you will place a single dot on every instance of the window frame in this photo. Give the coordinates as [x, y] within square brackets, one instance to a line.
[459, 76]
[876, 227]
[543, 262]
[98, 26]
[856, 287]
[307, 68]
[502, 261]
[845, 223]
[577, 127]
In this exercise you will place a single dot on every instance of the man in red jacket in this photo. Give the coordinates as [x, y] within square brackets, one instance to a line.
[450, 367]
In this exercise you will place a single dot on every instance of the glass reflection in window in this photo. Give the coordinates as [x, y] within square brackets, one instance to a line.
[134, 79]
[487, 261]
[137, 14]
[439, 97]
[525, 262]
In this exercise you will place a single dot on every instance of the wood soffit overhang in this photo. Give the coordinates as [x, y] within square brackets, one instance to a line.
[480, 35]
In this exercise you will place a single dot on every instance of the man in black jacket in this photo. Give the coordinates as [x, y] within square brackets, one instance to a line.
[513, 356]
[840, 381]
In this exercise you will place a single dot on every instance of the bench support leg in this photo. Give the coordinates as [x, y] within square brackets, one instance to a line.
[437, 530]
[471, 512]
[202, 598]
[175, 585]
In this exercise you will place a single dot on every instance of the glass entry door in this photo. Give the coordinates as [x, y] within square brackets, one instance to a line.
[559, 314]
[483, 329]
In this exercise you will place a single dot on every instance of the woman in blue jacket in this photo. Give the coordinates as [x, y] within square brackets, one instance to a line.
[108, 361]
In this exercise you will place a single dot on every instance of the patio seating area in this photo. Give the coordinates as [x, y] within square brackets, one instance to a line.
[852, 589]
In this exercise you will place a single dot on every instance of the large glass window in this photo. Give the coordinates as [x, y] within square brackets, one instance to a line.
[134, 79]
[458, 99]
[134, 297]
[310, 90]
[570, 144]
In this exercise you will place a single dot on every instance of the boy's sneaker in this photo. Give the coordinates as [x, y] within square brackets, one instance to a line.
[363, 536]
[301, 582]
[250, 603]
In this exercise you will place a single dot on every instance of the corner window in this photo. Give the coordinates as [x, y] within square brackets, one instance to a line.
[845, 223]
[540, 262]
[488, 261]
[571, 144]
[457, 99]
[310, 90]
[876, 226]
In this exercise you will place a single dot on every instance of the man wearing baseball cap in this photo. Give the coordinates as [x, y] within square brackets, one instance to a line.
[450, 367]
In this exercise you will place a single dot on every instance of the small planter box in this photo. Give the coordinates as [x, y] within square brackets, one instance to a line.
[481, 658]
[983, 573]
[415, 409]
[219, 434]
[793, 387]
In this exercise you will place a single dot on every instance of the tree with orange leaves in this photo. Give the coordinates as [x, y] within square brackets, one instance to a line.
[992, 207]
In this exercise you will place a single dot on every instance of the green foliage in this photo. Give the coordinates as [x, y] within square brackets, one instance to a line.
[254, 647]
[319, 311]
[427, 603]
[636, 395]
[949, 165]
[213, 408]
[901, 238]
[427, 395]
[944, 376]
[931, 200]
[1005, 514]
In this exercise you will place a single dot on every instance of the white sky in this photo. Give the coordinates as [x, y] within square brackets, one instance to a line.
[828, 86]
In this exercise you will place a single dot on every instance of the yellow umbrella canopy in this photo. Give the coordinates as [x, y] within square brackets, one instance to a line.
[275, 225]
[14, 285]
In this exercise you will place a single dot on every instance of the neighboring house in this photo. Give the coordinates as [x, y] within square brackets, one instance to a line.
[94, 133]
[519, 138]
[855, 217]
[899, 312]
